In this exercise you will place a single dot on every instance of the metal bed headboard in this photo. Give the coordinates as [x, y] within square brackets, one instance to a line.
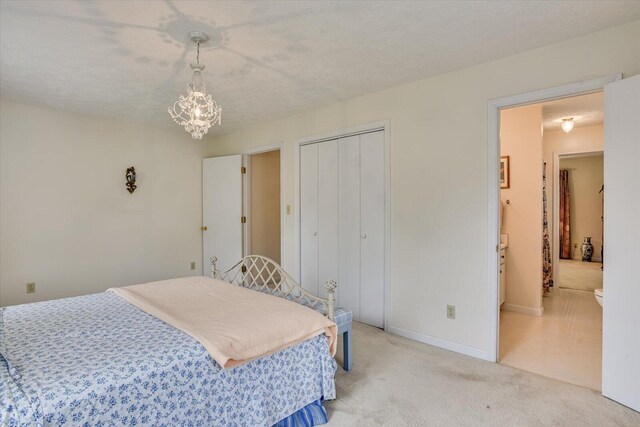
[265, 275]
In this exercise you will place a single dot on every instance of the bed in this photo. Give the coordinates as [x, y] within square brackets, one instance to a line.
[99, 360]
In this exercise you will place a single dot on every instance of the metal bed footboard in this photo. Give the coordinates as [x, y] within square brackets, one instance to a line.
[265, 275]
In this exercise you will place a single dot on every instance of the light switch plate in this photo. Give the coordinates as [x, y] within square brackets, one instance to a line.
[288, 209]
[31, 287]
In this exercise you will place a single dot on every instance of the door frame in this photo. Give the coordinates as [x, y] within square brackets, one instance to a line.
[382, 125]
[246, 195]
[555, 231]
[493, 188]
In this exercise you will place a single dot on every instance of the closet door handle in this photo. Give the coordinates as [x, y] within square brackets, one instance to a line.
[364, 236]
[315, 233]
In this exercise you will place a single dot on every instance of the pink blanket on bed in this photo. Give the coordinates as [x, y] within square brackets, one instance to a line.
[234, 324]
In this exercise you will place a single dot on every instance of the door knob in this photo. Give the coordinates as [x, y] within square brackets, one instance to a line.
[315, 233]
[364, 236]
[203, 228]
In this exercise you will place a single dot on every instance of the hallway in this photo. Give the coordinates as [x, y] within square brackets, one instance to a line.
[565, 343]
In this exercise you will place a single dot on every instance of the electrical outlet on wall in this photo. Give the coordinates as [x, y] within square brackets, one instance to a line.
[193, 265]
[31, 287]
[451, 312]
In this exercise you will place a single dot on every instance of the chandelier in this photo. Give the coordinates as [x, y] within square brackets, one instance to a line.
[197, 111]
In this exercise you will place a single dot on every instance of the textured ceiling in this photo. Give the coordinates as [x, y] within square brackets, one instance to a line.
[586, 110]
[129, 60]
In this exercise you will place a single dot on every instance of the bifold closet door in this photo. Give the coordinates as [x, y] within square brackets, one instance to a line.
[348, 291]
[342, 222]
[309, 217]
[372, 228]
[318, 215]
[327, 214]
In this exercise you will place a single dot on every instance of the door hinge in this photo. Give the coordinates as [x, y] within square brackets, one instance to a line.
[243, 169]
[243, 219]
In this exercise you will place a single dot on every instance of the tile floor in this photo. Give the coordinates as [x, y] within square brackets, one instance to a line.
[583, 276]
[565, 343]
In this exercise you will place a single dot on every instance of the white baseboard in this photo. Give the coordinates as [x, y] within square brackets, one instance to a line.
[522, 309]
[439, 342]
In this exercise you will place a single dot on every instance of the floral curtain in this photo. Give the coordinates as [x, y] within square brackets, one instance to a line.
[565, 235]
[547, 270]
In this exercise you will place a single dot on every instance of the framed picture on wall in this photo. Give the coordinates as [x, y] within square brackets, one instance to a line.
[504, 172]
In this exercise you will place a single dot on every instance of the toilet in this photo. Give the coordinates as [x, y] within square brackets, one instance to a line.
[598, 293]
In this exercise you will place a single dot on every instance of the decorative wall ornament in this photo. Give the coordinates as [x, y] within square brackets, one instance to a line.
[197, 111]
[131, 180]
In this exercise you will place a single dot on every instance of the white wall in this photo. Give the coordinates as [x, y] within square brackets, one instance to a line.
[521, 140]
[586, 176]
[438, 143]
[67, 221]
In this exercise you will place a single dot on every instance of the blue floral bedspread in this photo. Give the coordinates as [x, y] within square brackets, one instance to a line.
[96, 360]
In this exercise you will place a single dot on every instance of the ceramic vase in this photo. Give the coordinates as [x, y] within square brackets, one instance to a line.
[587, 249]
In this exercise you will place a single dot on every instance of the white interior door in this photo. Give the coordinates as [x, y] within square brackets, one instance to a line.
[372, 212]
[327, 214]
[348, 291]
[222, 211]
[621, 316]
[309, 217]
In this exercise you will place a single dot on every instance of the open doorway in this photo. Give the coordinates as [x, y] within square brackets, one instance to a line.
[581, 216]
[262, 205]
[241, 207]
[551, 205]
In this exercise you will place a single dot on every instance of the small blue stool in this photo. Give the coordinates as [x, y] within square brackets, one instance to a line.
[343, 318]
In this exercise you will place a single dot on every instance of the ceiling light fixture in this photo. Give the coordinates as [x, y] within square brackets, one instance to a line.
[197, 111]
[567, 124]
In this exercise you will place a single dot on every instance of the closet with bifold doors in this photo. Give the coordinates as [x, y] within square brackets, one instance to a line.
[342, 221]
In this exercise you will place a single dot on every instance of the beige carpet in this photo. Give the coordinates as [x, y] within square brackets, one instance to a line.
[578, 275]
[399, 382]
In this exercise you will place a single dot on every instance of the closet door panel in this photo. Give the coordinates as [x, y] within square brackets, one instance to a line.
[349, 224]
[372, 228]
[327, 214]
[309, 217]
